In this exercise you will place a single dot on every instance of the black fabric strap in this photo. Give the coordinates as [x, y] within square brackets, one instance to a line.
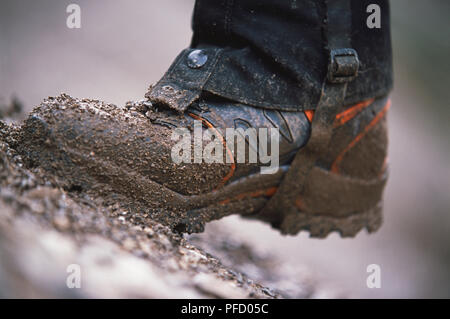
[183, 84]
[343, 67]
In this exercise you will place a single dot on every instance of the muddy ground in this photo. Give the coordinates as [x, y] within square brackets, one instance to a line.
[45, 229]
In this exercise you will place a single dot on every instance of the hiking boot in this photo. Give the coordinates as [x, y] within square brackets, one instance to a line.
[317, 165]
[129, 155]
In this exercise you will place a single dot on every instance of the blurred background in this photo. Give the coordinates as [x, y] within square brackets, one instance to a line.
[124, 46]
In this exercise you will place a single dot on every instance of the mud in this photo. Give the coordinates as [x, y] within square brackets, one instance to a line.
[46, 226]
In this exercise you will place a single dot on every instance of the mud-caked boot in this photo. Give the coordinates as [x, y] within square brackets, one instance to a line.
[215, 159]
[284, 124]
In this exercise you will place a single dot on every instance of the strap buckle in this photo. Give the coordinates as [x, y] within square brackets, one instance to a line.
[343, 65]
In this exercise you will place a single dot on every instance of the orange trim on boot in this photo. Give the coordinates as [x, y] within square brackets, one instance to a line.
[230, 154]
[309, 115]
[351, 112]
[263, 192]
[376, 119]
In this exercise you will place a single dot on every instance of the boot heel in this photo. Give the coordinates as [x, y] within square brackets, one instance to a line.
[343, 191]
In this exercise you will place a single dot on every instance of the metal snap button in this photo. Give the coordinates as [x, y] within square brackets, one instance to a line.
[196, 59]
